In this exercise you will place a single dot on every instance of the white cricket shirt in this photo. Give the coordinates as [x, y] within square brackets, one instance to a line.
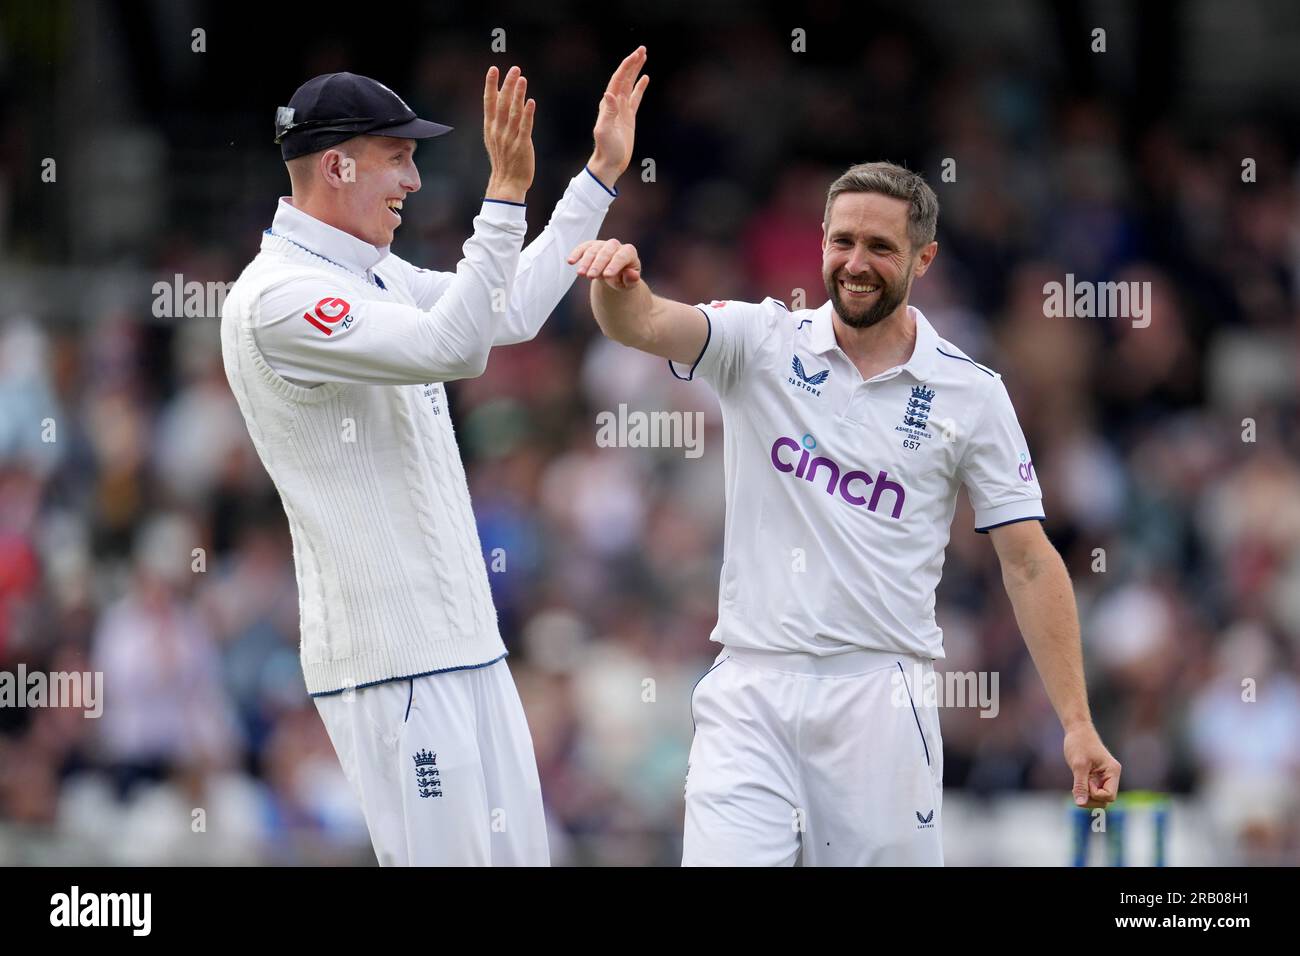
[840, 491]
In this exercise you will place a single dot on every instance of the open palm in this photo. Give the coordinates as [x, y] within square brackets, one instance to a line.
[615, 130]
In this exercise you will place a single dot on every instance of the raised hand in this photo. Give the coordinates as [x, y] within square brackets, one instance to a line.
[508, 135]
[615, 130]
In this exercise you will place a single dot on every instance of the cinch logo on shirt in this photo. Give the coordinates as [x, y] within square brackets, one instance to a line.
[808, 467]
[1026, 468]
[329, 311]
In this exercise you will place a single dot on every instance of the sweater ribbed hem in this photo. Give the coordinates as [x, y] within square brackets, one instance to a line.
[389, 680]
[396, 662]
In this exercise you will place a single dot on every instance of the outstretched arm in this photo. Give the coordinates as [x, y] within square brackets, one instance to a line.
[628, 312]
[544, 276]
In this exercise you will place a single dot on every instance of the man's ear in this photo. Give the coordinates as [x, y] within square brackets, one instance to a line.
[925, 258]
[337, 168]
[823, 237]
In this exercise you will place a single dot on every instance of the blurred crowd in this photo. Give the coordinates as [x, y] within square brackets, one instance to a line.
[140, 536]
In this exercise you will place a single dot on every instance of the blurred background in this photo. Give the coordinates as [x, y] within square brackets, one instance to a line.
[1118, 165]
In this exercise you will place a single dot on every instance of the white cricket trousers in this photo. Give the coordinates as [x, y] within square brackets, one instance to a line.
[834, 761]
[443, 766]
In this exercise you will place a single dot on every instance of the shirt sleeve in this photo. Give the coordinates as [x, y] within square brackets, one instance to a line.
[544, 275]
[735, 332]
[311, 330]
[996, 467]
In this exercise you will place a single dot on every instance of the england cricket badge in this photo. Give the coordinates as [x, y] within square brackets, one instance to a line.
[916, 416]
[426, 774]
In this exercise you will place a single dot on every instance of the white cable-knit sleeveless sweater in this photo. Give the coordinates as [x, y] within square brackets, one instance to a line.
[391, 577]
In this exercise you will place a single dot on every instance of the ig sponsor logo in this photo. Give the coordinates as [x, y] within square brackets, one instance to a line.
[329, 311]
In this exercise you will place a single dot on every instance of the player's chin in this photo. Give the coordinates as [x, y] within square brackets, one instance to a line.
[855, 316]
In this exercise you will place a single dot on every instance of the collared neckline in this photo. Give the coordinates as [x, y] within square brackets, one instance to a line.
[919, 365]
[322, 239]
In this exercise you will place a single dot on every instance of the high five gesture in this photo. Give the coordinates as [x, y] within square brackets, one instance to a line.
[508, 135]
[615, 129]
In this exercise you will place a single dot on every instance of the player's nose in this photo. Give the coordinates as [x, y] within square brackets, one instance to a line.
[411, 180]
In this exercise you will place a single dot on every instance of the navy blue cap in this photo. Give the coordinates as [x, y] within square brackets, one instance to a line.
[333, 107]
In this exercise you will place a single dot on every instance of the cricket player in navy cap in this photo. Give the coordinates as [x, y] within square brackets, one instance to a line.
[337, 351]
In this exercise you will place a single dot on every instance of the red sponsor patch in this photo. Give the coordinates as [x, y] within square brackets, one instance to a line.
[717, 304]
[329, 311]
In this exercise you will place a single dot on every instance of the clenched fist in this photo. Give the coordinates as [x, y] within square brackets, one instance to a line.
[1096, 771]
